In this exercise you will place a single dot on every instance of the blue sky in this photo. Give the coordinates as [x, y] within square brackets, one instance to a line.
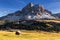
[9, 6]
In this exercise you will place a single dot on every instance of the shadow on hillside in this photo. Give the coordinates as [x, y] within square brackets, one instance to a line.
[43, 26]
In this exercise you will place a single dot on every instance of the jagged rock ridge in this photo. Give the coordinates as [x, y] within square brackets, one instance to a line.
[30, 12]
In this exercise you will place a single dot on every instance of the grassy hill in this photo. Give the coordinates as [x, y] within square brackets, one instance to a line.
[44, 25]
[36, 31]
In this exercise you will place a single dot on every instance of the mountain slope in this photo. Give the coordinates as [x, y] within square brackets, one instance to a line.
[30, 12]
[57, 15]
[13, 16]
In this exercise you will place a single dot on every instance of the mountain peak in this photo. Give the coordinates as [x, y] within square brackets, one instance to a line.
[30, 4]
[30, 12]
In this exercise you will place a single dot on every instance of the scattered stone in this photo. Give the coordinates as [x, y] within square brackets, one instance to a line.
[17, 32]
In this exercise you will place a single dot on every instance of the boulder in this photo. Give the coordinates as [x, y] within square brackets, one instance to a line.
[17, 32]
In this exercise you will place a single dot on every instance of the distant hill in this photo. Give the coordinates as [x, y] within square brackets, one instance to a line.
[57, 15]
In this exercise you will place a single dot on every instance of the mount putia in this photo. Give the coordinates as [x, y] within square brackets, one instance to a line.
[30, 12]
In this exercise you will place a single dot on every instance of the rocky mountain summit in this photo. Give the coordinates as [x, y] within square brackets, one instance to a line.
[30, 12]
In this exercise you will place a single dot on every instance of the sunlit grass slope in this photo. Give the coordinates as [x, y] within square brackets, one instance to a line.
[29, 35]
[56, 21]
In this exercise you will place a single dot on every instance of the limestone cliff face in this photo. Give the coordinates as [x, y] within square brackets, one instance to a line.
[36, 12]
[30, 12]
[30, 8]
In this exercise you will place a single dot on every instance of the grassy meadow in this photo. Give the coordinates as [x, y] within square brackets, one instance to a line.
[29, 35]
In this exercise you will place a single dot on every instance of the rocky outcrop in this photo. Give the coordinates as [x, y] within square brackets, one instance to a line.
[36, 12]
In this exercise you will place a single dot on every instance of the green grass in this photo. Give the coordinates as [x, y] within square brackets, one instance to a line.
[29, 35]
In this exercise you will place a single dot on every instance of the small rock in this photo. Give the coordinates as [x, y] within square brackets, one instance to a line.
[17, 32]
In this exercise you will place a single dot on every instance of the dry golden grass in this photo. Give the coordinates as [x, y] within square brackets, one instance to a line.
[29, 35]
[57, 21]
